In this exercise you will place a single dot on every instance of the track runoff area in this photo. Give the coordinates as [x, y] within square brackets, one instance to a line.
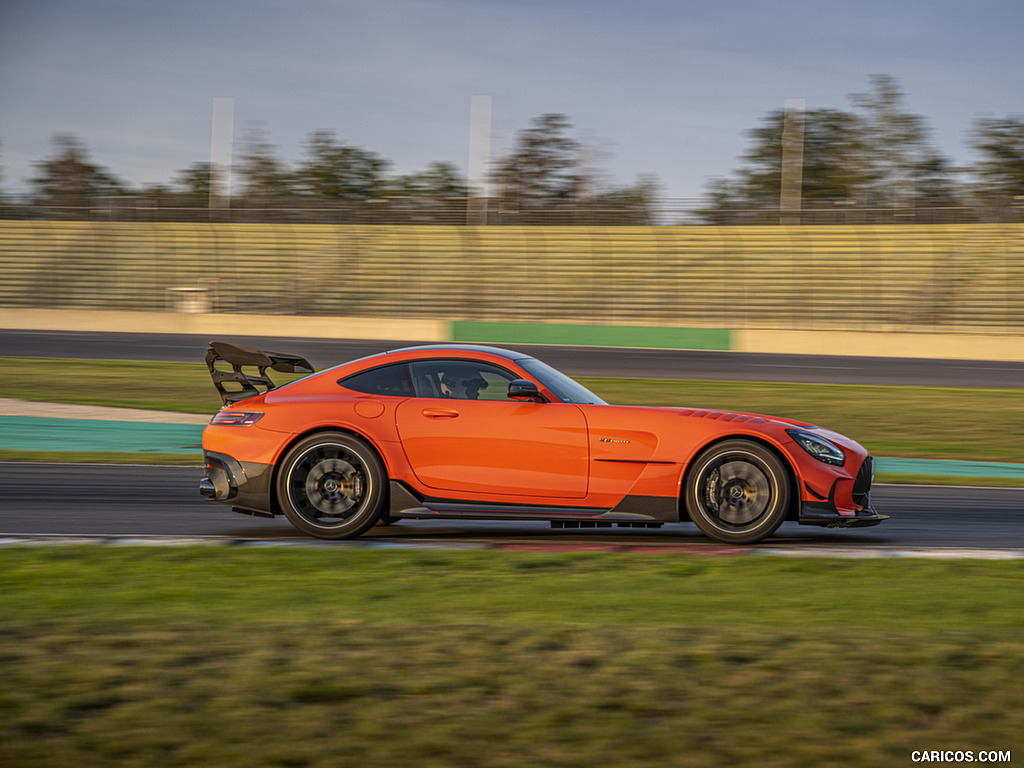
[159, 506]
[973, 506]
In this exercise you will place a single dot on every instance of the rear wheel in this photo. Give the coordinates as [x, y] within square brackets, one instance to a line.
[737, 492]
[332, 485]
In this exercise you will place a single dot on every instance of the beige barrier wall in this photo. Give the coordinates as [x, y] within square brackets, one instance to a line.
[960, 278]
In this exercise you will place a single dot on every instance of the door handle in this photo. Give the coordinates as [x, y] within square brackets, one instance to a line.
[440, 413]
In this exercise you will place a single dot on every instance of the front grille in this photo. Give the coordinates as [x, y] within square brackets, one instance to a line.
[862, 484]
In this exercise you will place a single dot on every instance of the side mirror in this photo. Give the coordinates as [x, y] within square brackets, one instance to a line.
[523, 389]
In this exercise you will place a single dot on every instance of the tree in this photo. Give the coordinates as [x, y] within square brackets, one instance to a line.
[1000, 172]
[904, 169]
[440, 179]
[434, 196]
[264, 177]
[834, 167]
[725, 202]
[632, 205]
[878, 155]
[338, 171]
[69, 178]
[194, 182]
[550, 177]
[934, 183]
[835, 157]
[544, 167]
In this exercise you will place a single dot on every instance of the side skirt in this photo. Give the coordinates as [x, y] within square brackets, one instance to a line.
[405, 503]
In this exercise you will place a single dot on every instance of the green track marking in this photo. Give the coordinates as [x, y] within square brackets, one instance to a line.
[28, 433]
[592, 335]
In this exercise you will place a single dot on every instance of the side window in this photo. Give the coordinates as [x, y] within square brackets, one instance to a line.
[460, 380]
[386, 380]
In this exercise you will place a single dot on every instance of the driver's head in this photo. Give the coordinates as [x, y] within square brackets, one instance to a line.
[463, 383]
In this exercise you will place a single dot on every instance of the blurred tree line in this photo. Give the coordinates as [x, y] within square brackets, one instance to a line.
[875, 157]
[543, 179]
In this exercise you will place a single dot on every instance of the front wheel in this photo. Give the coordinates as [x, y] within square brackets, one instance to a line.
[737, 492]
[332, 485]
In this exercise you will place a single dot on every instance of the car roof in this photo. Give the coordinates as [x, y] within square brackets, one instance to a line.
[497, 351]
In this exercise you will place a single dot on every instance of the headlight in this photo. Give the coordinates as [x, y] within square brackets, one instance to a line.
[818, 447]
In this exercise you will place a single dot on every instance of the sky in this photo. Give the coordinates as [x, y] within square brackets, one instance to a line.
[667, 88]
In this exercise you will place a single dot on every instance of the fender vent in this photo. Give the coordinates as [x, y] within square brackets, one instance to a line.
[722, 416]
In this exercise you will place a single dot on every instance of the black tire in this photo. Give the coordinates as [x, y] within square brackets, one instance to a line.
[737, 492]
[332, 485]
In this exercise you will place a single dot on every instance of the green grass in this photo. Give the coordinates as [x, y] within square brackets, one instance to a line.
[182, 387]
[104, 457]
[963, 480]
[913, 422]
[350, 656]
[222, 586]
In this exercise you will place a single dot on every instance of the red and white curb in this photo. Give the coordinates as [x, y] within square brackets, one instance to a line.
[699, 550]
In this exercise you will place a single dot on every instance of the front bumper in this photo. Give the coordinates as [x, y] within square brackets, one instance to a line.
[847, 505]
[244, 486]
[815, 513]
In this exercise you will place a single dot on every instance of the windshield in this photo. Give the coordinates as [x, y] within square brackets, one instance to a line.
[564, 388]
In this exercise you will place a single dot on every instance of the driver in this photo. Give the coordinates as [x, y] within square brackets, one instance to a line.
[462, 383]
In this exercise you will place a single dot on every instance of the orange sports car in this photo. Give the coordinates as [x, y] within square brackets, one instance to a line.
[463, 431]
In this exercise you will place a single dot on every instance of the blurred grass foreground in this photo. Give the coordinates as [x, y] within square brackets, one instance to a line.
[350, 656]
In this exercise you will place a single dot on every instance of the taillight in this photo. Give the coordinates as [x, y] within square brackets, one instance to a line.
[237, 418]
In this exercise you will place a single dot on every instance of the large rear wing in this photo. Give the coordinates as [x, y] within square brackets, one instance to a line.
[240, 384]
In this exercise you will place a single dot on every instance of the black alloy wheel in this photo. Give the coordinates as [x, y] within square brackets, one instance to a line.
[332, 485]
[737, 492]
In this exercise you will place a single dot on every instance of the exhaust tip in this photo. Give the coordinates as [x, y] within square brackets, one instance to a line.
[207, 489]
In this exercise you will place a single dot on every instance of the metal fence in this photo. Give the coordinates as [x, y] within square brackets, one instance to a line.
[458, 211]
[938, 277]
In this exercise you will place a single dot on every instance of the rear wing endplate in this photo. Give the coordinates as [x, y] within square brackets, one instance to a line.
[240, 384]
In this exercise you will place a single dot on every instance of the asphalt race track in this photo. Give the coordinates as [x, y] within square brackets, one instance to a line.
[575, 361]
[139, 501]
[145, 501]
